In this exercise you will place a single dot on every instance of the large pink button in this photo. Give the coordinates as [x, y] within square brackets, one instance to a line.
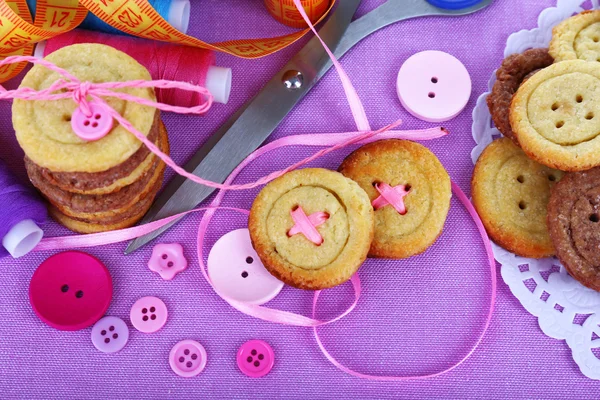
[187, 358]
[70, 291]
[92, 127]
[148, 314]
[110, 334]
[255, 358]
[433, 86]
[167, 260]
[236, 271]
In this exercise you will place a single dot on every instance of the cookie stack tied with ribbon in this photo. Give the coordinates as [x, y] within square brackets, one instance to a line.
[539, 195]
[96, 175]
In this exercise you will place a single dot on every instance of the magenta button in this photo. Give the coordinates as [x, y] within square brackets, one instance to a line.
[167, 260]
[237, 273]
[255, 358]
[92, 127]
[70, 291]
[148, 314]
[187, 358]
[433, 86]
[110, 334]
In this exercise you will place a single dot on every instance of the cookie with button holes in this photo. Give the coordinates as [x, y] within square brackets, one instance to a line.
[409, 190]
[510, 193]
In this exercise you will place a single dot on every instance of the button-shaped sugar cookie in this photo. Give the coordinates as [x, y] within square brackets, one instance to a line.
[409, 190]
[555, 115]
[577, 37]
[312, 228]
[510, 193]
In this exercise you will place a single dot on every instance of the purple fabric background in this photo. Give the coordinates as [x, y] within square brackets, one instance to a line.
[416, 316]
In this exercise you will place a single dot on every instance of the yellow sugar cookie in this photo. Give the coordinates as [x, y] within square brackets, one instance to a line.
[43, 128]
[346, 233]
[555, 115]
[511, 193]
[577, 37]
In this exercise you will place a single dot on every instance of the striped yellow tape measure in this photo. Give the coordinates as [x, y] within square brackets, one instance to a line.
[18, 33]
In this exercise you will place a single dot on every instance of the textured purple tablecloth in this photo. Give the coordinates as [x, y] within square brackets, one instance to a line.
[416, 316]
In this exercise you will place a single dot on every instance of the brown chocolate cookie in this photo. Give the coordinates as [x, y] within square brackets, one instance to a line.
[574, 225]
[515, 69]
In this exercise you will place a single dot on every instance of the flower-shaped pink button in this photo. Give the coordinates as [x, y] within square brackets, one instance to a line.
[110, 334]
[255, 358]
[167, 260]
[94, 126]
[70, 290]
[187, 358]
[236, 271]
[148, 314]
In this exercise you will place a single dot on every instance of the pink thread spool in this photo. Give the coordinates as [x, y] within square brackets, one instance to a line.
[163, 60]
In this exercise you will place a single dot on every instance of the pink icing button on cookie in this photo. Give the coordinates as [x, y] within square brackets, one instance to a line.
[92, 127]
[148, 314]
[187, 358]
[433, 86]
[236, 271]
[110, 334]
[167, 260]
[255, 358]
[70, 290]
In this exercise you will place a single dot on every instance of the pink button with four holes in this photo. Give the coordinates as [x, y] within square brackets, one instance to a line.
[92, 127]
[167, 260]
[433, 86]
[110, 334]
[255, 358]
[187, 358]
[148, 314]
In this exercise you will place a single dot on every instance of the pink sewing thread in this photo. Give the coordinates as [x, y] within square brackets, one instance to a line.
[393, 196]
[307, 225]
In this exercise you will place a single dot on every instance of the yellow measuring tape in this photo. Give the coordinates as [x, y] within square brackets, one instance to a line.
[18, 33]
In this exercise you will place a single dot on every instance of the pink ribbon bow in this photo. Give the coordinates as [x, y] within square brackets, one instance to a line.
[308, 225]
[393, 196]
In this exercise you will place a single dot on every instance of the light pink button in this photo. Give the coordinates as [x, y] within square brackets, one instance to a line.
[92, 127]
[167, 260]
[236, 271]
[110, 334]
[187, 358]
[148, 314]
[255, 358]
[433, 86]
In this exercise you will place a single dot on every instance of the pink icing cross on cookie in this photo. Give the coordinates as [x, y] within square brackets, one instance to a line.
[307, 225]
[393, 196]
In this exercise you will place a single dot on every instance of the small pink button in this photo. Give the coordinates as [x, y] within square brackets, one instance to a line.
[148, 314]
[255, 358]
[167, 260]
[433, 86]
[110, 334]
[187, 358]
[92, 127]
[236, 271]
[70, 290]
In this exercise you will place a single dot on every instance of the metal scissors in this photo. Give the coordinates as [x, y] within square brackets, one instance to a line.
[250, 126]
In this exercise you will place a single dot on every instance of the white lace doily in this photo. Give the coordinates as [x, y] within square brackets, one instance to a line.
[565, 309]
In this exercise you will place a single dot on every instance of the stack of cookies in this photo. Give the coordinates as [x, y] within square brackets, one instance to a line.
[313, 228]
[92, 186]
[538, 190]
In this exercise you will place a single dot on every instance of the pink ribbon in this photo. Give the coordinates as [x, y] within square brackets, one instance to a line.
[393, 196]
[307, 225]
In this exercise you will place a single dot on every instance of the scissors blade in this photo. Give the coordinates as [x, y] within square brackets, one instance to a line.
[248, 128]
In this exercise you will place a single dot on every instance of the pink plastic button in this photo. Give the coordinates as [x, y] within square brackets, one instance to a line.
[92, 127]
[148, 314]
[167, 260]
[187, 358]
[110, 334]
[255, 358]
[70, 291]
[236, 271]
[433, 86]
